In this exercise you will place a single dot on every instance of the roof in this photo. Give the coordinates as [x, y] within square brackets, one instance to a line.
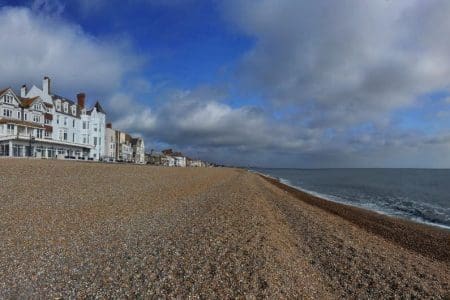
[135, 141]
[26, 102]
[4, 90]
[99, 108]
[70, 103]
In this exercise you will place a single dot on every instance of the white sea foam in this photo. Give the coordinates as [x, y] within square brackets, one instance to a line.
[365, 205]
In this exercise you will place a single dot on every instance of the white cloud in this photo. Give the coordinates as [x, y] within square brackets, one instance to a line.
[35, 44]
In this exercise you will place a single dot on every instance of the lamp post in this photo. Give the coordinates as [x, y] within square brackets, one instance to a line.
[31, 142]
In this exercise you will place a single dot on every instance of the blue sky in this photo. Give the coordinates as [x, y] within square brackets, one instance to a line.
[282, 83]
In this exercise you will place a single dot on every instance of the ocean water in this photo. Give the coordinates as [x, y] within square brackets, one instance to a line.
[421, 195]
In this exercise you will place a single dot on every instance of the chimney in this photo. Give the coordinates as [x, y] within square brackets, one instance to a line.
[23, 91]
[81, 98]
[46, 85]
[109, 125]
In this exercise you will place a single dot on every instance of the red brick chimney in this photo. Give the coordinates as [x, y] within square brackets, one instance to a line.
[81, 98]
[109, 125]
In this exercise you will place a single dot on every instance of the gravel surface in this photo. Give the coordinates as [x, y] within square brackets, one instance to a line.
[77, 230]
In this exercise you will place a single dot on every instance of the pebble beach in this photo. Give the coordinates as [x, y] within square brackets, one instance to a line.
[85, 230]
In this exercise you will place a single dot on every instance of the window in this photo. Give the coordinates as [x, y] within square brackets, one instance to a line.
[95, 129]
[8, 99]
[73, 123]
[74, 110]
[47, 134]
[84, 125]
[7, 112]
[65, 121]
[36, 118]
[10, 128]
[84, 140]
[65, 135]
[95, 141]
[58, 105]
[39, 133]
[25, 116]
[66, 107]
[37, 107]
[48, 121]
[57, 119]
[73, 137]
[18, 115]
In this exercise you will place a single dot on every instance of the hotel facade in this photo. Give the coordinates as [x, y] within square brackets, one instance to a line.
[39, 123]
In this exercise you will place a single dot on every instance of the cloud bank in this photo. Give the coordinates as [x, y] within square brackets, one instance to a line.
[335, 81]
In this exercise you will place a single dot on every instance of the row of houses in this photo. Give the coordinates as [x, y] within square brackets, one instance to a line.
[169, 158]
[40, 123]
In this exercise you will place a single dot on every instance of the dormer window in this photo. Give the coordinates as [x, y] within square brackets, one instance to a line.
[58, 105]
[37, 107]
[66, 107]
[74, 110]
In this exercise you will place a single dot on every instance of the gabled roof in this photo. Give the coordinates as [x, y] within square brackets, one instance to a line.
[27, 102]
[2, 91]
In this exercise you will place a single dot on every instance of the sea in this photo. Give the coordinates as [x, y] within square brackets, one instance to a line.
[420, 195]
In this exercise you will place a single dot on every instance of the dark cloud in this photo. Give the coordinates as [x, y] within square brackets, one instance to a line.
[332, 76]
[357, 61]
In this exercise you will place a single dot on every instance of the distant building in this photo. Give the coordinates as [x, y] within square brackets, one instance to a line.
[168, 161]
[110, 143]
[154, 158]
[138, 148]
[180, 161]
[196, 163]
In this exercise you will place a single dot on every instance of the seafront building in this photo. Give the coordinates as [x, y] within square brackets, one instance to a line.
[138, 148]
[169, 158]
[39, 123]
[122, 147]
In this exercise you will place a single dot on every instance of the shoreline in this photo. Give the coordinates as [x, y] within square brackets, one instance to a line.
[190, 233]
[425, 239]
[343, 202]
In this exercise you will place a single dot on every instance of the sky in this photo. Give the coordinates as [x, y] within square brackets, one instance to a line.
[269, 83]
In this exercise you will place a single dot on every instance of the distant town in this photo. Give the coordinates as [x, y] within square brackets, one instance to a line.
[41, 124]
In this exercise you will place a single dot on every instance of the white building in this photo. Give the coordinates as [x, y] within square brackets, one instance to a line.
[180, 161]
[138, 150]
[42, 124]
[196, 163]
[168, 161]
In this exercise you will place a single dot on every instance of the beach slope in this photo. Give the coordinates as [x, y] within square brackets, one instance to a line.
[112, 231]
